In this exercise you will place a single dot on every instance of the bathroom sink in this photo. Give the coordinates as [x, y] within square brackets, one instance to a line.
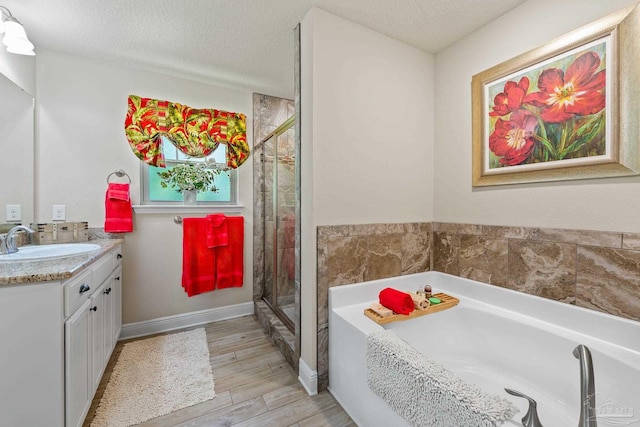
[26, 253]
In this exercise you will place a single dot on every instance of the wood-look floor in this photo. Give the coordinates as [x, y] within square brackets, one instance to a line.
[254, 384]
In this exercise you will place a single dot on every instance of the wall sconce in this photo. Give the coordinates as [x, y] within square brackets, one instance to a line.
[15, 38]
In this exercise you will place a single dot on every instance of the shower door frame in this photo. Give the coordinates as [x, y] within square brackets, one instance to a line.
[284, 318]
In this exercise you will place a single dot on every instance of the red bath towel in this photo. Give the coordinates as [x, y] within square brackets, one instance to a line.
[198, 261]
[230, 258]
[399, 302]
[118, 214]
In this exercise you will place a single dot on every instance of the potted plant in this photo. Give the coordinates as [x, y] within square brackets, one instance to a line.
[188, 179]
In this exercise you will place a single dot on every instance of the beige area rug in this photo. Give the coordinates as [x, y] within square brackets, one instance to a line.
[156, 376]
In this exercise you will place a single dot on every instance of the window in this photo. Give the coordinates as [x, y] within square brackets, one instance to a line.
[225, 182]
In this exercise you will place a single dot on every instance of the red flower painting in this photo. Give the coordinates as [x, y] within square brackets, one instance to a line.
[551, 113]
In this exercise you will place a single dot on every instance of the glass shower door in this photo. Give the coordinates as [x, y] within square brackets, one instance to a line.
[280, 222]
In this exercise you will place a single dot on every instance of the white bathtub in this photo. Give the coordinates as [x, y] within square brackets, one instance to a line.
[495, 338]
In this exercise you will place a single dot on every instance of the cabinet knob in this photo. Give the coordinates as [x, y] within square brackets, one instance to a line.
[84, 288]
[117, 277]
[94, 308]
[107, 291]
[119, 256]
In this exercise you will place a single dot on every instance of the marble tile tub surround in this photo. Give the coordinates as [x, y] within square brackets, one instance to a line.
[357, 253]
[599, 270]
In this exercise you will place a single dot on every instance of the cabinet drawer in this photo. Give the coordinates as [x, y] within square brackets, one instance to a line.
[77, 291]
[102, 268]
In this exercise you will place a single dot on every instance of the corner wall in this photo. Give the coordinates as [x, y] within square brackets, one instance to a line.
[611, 204]
[367, 141]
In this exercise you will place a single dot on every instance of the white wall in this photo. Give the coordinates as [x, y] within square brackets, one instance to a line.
[20, 69]
[602, 204]
[367, 137]
[80, 140]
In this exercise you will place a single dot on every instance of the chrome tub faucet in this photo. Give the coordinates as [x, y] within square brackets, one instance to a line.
[587, 388]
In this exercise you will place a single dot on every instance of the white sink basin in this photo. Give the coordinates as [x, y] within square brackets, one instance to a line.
[49, 251]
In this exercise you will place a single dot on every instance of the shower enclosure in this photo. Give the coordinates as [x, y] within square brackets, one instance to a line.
[276, 216]
[278, 159]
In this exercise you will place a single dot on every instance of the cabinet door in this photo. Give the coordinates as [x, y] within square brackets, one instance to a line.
[77, 366]
[96, 324]
[109, 314]
[117, 301]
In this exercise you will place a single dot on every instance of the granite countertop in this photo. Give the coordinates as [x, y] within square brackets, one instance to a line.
[16, 272]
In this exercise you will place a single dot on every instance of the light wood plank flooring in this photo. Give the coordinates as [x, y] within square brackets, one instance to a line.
[254, 384]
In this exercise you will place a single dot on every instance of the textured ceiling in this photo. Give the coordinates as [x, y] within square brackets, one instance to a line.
[241, 43]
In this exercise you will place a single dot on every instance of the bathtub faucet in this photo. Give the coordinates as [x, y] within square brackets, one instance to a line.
[587, 388]
[531, 417]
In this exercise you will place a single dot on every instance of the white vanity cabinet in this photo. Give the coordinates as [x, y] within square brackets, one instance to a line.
[56, 338]
[91, 333]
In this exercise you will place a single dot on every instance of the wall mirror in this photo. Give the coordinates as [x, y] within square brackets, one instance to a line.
[17, 148]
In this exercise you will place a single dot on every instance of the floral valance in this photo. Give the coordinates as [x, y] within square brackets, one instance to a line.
[195, 132]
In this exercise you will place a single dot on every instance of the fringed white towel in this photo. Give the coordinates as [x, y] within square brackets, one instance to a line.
[423, 392]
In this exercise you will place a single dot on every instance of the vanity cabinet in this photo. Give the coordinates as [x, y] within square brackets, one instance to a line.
[91, 333]
[57, 337]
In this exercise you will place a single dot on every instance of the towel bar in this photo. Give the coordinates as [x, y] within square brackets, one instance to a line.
[119, 173]
[177, 219]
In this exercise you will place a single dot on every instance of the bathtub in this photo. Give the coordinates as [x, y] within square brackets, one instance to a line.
[494, 338]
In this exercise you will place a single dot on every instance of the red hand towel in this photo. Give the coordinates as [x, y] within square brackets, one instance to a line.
[230, 258]
[118, 214]
[399, 302]
[217, 232]
[198, 261]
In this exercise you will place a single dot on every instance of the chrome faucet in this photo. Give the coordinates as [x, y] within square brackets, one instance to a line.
[531, 417]
[587, 388]
[8, 241]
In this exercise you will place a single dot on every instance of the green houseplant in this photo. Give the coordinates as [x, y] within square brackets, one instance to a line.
[188, 178]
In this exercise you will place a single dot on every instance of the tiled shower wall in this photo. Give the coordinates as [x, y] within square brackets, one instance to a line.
[268, 113]
[598, 270]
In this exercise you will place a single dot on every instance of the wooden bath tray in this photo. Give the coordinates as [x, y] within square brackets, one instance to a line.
[447, 302]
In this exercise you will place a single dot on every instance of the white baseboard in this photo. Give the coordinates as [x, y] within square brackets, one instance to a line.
[170, 323]
[308, 378]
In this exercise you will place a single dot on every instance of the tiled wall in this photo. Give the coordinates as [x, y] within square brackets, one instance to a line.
[599, 270]
[357, 253]
[268, 113]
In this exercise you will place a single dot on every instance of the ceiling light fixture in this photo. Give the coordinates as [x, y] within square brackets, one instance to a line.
[15, 38]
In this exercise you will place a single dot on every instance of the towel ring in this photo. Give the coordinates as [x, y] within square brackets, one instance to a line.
[119, 173]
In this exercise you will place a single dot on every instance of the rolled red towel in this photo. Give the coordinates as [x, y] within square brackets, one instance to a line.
[399, 302]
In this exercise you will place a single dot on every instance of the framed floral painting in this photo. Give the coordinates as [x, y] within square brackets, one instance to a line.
[567, 110]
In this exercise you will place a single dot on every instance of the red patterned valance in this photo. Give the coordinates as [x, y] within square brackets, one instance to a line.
[195, 132]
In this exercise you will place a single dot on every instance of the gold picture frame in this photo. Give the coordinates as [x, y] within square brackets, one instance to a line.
[567, 110]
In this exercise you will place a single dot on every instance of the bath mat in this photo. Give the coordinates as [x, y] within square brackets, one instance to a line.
[425, 393]
[156, 376]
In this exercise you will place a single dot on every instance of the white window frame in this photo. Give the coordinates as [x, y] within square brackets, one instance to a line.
[144, 182]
